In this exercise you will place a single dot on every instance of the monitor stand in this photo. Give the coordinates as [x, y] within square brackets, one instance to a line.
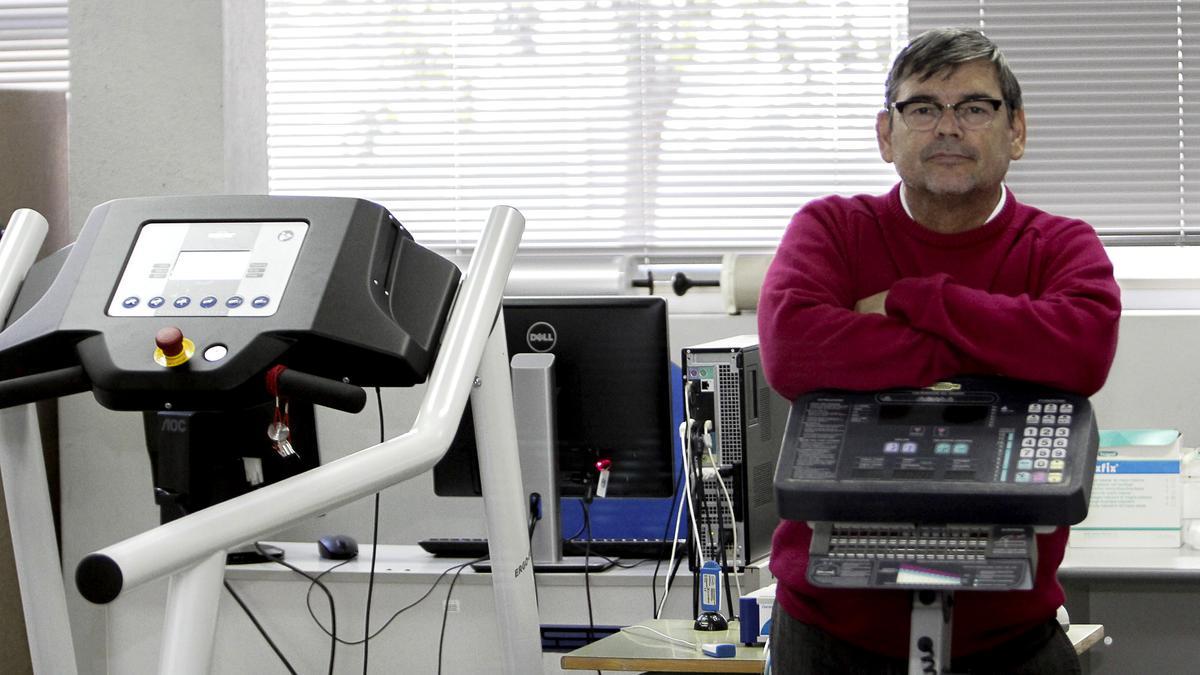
[533, 406]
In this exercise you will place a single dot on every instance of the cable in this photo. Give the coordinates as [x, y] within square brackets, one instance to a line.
[258, 625]
[587, 560]
[577, 533]
[446, 607]
[587, 563]
[729, 504]
[660, 636]
[674, 537]
[683, 429]
[397, 613]
[374, 546]
[332, 633]
[725, 573]
[689, 486]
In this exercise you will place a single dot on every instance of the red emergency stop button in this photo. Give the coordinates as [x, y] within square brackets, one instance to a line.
[171, 347]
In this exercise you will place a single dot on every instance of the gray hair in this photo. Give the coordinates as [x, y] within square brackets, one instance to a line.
[942, 50]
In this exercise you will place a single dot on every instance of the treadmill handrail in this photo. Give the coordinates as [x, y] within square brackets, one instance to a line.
[42, 386]
[103, 575]
[22, 239]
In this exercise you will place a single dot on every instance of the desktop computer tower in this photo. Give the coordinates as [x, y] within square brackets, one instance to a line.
[724, 385]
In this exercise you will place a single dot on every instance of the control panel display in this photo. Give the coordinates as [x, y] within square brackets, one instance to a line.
[978, 436]
[210, 265]
[208, 269]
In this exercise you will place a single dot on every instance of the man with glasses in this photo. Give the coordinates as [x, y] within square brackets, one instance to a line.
[947, 274]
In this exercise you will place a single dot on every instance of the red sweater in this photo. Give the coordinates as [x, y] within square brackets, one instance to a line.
[1028, 295]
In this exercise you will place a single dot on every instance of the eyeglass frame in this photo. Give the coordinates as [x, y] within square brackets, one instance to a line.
[899, 106]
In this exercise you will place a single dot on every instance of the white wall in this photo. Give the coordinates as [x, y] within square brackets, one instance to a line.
[166, 98]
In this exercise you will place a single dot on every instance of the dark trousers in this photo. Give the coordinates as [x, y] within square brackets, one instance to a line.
[798, 649]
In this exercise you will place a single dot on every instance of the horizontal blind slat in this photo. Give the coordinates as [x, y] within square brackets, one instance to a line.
[650, 123]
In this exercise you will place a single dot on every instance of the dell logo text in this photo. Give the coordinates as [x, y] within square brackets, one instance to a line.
[541, 337]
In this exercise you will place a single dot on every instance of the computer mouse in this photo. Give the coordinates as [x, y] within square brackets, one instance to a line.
[337, 547]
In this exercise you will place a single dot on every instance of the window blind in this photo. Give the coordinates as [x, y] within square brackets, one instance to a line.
[640, 126]
[1110, 90]
[33, 45]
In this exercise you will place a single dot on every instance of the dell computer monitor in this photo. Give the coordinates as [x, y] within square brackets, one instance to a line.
[613, 398]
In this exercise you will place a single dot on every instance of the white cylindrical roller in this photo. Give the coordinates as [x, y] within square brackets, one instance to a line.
[741, 280]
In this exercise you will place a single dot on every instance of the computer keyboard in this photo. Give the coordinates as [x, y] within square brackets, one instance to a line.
[457, 547]
[651, 549]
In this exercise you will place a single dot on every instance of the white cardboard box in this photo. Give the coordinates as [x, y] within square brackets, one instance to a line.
[1136, 495]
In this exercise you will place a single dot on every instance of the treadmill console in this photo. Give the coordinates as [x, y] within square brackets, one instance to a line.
[969, 450]
[185, 303]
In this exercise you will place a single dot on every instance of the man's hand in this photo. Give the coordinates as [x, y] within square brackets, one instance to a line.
[872, 304]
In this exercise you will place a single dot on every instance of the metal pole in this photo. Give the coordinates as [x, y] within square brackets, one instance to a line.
[929, 635]
[26, 488]
[506, 508]
[193, 598]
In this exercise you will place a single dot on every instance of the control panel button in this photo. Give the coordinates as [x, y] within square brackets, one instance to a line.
[1045, 442]
[941, 448]
[1064, 419]
[1033, 419]
[1060, 442]
[908, 449]
[1054, 477]
[169, 340]
[891, 447]
[171, 347]
[1047, 419]
[156, 302]
[1058, 452]
[1022, 477]
[260, 302]
[1046, 431]
[1028, 442]
[1067, 408]
[1035, 407]
[207, 302]
[1062, 432]
[961, 448]
[1027, 452]
[130, 302]
[234, 301]
[1043, 452]
[1025, 464]
[1050, 408]
[1057, 465]
[182, 301]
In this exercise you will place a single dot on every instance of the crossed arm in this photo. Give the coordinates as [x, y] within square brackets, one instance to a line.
[815, 334]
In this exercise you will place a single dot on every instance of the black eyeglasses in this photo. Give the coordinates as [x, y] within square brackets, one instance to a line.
[973, 113]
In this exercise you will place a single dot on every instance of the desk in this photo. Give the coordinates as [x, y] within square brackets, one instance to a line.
[403, 574]
[641, 650]
[1148, 600]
